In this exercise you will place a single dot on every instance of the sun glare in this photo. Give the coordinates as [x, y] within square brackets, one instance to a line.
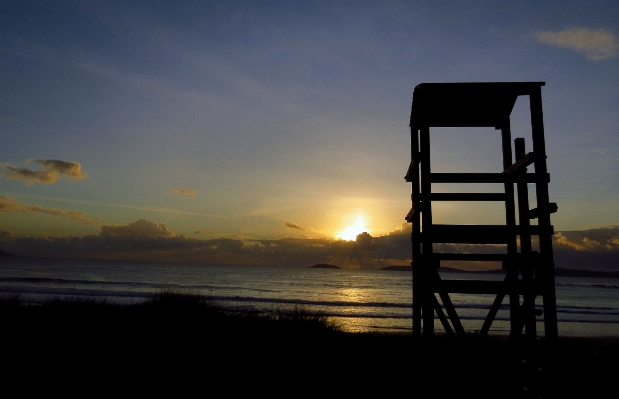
[350, 233]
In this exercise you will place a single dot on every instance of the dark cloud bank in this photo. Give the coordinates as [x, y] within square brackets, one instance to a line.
[596, 249]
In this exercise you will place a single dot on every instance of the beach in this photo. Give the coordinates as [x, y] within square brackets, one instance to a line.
[185, 342]
[78, 325]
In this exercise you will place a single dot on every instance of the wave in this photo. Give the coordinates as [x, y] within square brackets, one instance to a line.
[63, 283]
[372, 310]
[586, 285]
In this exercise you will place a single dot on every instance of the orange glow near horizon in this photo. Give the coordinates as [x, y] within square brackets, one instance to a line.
[350, 232]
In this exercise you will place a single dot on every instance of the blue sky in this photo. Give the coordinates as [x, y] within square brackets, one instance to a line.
[251, 117]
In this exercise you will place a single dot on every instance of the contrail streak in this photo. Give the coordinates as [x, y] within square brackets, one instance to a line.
[174, 215]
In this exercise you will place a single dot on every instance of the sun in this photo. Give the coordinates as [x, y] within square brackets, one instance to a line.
[351, 232]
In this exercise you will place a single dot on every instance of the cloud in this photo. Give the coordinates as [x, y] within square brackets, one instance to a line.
[52, 170]
[292, 225]
[69, 168]
[149, 241]
[203, 231]
[185, 191]
[8, 204]
[597, 44]
[144, 240]
[599, 239]
[5, 234]
[30, 176]
[139, 228]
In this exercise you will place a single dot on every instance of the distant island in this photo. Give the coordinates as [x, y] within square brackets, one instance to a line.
[405, 268]
[325, 266]
[4, 253]
[585, 273]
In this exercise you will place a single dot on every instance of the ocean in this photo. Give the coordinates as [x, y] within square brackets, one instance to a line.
[359, 300]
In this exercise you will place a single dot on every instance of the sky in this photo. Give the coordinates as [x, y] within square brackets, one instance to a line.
[272, 132]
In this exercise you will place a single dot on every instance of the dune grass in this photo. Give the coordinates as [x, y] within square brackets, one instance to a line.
[165, 315]
[179, 336]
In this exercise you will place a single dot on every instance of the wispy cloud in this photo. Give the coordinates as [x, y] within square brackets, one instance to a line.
[53, 169]
[203, 231]
[185, 191]
[596, 44]
[8, 204]
[292, 225]
[142, 208]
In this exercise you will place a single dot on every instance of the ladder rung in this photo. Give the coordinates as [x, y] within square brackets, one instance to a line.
[468, 196]
[520, 260]
[418, 207]
[470, 287]
[412, 168]
[409, 216]
[482, 287]
[489, 178]
[471, 257]
[508, 260]
[521, 164]
[534, 213]
[476, 234]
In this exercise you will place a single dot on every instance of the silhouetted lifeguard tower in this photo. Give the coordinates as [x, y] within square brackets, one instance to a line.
[530, 274]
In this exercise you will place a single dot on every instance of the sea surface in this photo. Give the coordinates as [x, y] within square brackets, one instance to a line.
[360, 300]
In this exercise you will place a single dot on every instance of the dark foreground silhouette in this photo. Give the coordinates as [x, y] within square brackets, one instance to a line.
[182, 344]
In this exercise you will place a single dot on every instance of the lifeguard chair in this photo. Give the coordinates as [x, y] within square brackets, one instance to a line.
[529, 274]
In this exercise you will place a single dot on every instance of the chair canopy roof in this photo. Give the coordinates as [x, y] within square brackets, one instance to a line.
[466, 104]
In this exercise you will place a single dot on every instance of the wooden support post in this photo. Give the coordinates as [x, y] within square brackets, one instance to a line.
[442, 318]
[528, 304]
[510, 221]
[416, 260]
[449, 307]
[496, 305]
[546, 266]
[426, 226]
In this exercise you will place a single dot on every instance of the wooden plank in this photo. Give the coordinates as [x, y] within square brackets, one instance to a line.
[489, 177]
[426, 221]
[510, 215]
[466, 104]
[410, 216]
[484, 287]
[442, 317]
[528, 311]
[467, 197]
[418, 283]
[476, 234]
[522, 260]
[472, 257]
[491, 314]
[449, 307]
[545, 241]
[412, 168]
[521, 164]
[534, 213]
[470, 287]
[430, 260]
